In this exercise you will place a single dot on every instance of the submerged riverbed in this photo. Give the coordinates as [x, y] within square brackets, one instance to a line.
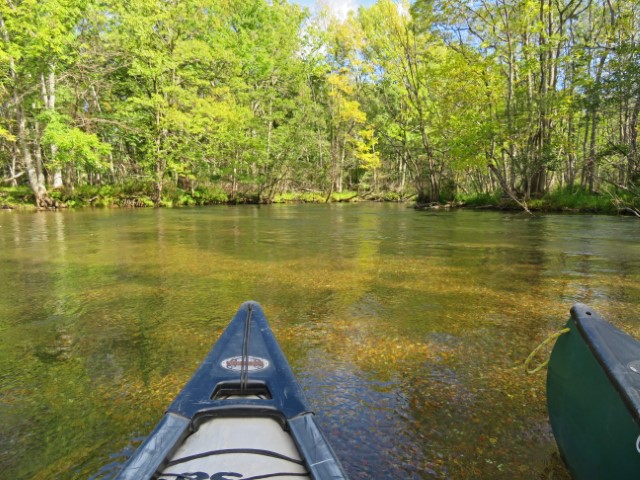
[406, 329]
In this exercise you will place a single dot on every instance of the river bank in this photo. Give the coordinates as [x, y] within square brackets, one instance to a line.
[136, 196]
[130, 196]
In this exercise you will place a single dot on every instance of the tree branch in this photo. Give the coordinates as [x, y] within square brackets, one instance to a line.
[7, 180]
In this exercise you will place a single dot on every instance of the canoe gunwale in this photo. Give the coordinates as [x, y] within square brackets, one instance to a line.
[154, 453]
[593, 329]
[591, 385]
[320, 458]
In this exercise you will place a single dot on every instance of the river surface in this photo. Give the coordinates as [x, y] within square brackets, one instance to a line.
[406, 329]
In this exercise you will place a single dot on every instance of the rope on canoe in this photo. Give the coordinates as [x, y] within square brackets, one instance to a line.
[532, 355]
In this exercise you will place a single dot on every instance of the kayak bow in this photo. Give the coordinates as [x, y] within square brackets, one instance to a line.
[242, 415]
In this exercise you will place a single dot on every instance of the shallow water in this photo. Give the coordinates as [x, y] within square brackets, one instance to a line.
[406, 329]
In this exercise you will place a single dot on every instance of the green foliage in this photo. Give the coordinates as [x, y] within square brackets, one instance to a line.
[131, 194]
[209, 195]
[299, 197]
[6, 135]
[315, 197]
[12, 197]
[202, 195]
[344, 196]
[74, 147]
[575, 199]
[248, 98]
[480, 199]
[559, 200]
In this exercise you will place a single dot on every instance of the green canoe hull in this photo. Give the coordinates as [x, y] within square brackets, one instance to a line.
[593, 398]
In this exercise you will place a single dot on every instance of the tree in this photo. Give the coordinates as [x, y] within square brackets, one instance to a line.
[39, 49]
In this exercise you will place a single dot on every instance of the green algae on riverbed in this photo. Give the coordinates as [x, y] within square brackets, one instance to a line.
[406, 329]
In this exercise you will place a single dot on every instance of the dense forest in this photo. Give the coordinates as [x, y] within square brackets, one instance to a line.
[202, 101]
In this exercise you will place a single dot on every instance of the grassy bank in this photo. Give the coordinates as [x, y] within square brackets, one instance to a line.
[134, 195]
[562, 200]
[16, 198]
[129, 195]
[137, 195]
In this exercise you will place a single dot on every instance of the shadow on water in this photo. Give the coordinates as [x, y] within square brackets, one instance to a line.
[406, 329]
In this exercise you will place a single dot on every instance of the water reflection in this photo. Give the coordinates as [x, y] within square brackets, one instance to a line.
[407, 329]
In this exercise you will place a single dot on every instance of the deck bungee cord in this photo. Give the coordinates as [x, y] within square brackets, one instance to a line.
[226, 475]
[231, 451]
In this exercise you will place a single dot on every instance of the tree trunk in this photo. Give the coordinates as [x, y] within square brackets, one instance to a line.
[592, 160]
[34, 171]
[12, 166]
[340, 174]
[571, 157]
[633, 160]
[505, 186]
[36, 179]
[591, 163]
[48, 93]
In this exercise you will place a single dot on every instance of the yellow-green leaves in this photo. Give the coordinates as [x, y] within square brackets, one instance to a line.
[6, 135]
[365, 146]
[74, 147]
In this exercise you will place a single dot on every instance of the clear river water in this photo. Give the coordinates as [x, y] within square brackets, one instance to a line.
[406, 329]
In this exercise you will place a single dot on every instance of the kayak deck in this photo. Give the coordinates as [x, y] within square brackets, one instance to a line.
[240, 447]
[242, 415]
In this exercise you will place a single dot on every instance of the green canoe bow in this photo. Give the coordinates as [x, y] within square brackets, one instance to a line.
[593, 398]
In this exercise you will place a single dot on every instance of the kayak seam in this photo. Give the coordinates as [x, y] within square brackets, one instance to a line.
[244, 362]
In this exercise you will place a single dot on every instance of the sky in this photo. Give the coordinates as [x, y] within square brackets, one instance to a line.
[340, 7]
